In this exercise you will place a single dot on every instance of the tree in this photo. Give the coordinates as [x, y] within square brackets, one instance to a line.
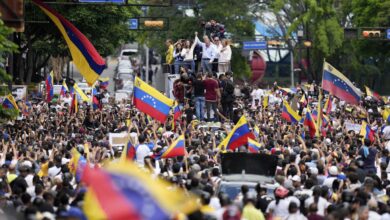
[6, 47]
[317, 18]
[106, 26]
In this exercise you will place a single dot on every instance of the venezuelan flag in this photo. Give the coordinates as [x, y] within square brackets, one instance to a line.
[49, 87]
[373, 94]
[386, 115]
[64, 88]
[238, 136]
[289, 114]
[176, 111]
[124, 191]
[366, 132]
[325, 119]
[253, 146]
[286, 91]
[150, 101]
[176, 149]
[104, 82]
[74, 108]
[128, 152]
[256, 131]
[309, 122]
[77, 164]
[84, 55]
[338, 85]
[81, 93]
[303, 100]
[95, 101]
[328, 105]
[10, 103]
[265, 101]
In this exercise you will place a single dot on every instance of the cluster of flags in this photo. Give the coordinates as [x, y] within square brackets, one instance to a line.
[122, 190]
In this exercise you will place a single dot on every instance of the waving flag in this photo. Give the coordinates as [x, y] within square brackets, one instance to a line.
[289, 114]
[373, 94]
[286, 91]
[128, 152]
[303, 100]
[74, 106]
[64, 88]
[104, 82]
[150, 101]
[49, 87]
[81, 93]
[328, 105]
[253, 146]
[176, 112]
[338, 85]
[123, 191]
[77, 164]
[366, 132]
[96, 104]
[84, 55]
[9, 102]
[256, 131]
[176, 149]
[386, 115]
[238, 136]
[311, 124]
[265, 101]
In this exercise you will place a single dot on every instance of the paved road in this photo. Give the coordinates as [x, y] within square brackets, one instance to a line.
[158, 79]
[108, 72]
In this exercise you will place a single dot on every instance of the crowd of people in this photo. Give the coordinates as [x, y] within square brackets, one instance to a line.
[334, 176]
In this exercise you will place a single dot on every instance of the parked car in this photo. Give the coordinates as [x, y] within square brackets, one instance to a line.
[126, 54]
[254, 169]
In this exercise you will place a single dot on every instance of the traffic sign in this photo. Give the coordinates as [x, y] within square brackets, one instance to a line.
[254, 45]
[133, 24]
[388, 34]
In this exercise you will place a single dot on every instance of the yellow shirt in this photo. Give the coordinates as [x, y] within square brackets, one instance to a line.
[251, 213]
[44, 170]
[169, 55]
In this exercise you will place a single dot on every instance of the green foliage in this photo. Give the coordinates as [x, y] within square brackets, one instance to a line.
[6, 47]
[6, 114]
[239, 65]
[105, 26]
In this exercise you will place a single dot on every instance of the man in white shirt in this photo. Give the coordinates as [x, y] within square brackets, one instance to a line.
[142, 150]
[209, 52]
[257, 93]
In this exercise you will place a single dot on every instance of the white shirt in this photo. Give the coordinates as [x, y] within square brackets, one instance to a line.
[225, 54]
[208, 52]
[280, 210]
[188, 53]
[53, 171]
[219, 48]
[141, 153]
[329, 181]
[67, 100]
[322, 204]
[257, 94]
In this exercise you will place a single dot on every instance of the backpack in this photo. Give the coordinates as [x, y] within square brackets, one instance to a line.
[228, 91]
[228, 88]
